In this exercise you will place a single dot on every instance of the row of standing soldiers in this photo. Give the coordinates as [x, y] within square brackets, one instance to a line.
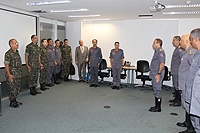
[185, 71]
[45, 59]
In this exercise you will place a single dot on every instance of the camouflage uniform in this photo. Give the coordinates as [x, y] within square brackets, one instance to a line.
[45, 62]
[33, 52]
[13, 59]
[66, 58]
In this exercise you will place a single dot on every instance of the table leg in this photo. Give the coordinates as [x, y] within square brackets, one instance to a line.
[132, 77]
[128, 78]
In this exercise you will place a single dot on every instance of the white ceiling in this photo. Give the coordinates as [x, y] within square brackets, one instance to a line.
[112, 9]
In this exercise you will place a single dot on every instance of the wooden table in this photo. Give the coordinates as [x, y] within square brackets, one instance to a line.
[129, 70]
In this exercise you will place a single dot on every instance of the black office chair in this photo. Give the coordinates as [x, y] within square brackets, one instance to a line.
[102, 74]
[167, 77]
[142, 67]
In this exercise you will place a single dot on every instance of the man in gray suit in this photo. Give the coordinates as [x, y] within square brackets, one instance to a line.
[81, 57]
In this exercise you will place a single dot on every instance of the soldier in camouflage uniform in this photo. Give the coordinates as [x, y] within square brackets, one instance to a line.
[61, 66]
[13, 66]
[66, 59]
[32, 57]
[44, 58]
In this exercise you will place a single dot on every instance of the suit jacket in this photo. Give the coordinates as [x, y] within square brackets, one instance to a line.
[79, 56]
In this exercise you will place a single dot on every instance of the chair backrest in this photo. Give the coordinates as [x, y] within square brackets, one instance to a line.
[166, 74]
[142, 66]
[103, 65]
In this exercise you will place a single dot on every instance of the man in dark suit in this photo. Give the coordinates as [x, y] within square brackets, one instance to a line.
[81, 57]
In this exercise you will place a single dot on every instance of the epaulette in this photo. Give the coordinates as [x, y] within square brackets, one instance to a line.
[161, 49]
[190, 51]
[91, 47]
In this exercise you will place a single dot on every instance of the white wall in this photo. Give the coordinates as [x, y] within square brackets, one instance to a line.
[73, 34]
[15, 25]
[135, 36]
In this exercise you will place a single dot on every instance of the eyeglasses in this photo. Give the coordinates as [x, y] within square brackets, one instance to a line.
[15, 43]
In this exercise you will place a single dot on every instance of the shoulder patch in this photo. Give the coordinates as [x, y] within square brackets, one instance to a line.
[161, 55]
[161, 49]
[180, 50]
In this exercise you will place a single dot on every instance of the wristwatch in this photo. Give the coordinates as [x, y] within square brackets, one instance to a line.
[159, 73]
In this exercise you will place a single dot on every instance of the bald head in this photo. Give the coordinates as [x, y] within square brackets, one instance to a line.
[185, 41]
[81, 42]
[13, 44]
[195, 38]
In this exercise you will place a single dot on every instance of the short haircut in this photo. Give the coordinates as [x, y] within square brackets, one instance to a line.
[49, 40]
[43, 40]
[57, 40]
[177, 38]
[116, 43]
[94, 39]
[195, 33]
[10, 41]
[65, 40]
[32, 36]
[159, 41]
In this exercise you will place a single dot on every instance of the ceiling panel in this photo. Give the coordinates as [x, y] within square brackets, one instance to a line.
[112, 9]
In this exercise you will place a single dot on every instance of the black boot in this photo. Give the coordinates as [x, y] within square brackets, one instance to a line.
[65, 78]
[185, 123]
[55, 79]
[37, 92]
[49, 85]
[42, 87]
[175, 93]
[13, 104]
[190, 128]
[19, 103]
[155, 104]
[113, 87]
[157, 108]
[177, 102]
[32, 92]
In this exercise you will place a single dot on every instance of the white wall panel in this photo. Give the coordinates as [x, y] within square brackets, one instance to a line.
[17, 26]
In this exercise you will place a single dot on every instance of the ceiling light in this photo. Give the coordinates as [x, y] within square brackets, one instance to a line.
[171, 13]
[81, 16]
[48, 3]
[77, 10]
[183, 6]
[95, 19]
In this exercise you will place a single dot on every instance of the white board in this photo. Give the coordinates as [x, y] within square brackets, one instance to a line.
[17, 26]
